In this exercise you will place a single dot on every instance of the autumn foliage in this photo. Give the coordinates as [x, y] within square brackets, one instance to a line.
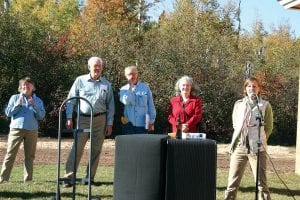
[52, 40]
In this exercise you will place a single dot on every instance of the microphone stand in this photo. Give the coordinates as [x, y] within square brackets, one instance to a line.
[259, 119]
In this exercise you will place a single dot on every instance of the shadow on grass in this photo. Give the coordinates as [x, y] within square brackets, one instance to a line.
[26, 195]
[103, 183]
[280, 191]
[95, 183]
[37, 195]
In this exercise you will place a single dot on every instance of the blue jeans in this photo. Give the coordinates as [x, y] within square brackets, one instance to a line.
[128, 129]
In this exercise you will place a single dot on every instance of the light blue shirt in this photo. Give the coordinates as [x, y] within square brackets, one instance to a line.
[138, 102]
[99, 93]
[25, 116]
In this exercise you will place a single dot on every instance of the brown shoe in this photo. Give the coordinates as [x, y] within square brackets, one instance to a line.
[3, 181]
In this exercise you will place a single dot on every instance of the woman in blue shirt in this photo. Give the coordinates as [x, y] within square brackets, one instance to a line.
[25, 110]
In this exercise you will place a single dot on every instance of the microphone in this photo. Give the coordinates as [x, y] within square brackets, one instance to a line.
[178, 128]
[254, 98]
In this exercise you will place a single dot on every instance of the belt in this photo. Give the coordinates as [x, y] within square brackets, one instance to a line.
[95, 115]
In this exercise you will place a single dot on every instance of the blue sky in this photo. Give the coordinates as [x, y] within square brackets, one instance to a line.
[270, 12]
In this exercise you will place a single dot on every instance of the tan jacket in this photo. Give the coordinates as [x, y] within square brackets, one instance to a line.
[245, 119]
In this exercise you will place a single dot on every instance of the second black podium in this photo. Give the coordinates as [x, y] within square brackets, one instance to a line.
[191, 169]
[154, 167]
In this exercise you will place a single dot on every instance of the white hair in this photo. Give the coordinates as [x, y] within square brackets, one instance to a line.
[93, 60]
[194, 87]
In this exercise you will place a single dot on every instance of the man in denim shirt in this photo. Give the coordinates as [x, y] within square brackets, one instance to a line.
[98, 91]
[139, 111]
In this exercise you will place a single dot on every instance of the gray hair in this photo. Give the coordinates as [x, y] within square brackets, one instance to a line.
[25, 80]
[131, 68]
[194, 87]
[94, 59]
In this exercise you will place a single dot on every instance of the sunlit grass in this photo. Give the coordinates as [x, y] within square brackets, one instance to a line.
[44, 185]
[247, 187]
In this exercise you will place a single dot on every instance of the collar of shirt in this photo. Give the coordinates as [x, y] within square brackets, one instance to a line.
[127, 86]
[89, 78]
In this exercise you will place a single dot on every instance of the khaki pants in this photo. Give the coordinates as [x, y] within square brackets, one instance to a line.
[238, 162]
[15, 138]
[98, 135]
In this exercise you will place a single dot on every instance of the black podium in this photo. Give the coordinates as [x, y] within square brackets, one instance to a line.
[191, 169]
[139, 167]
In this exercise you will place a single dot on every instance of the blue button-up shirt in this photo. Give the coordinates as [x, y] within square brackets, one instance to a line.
[99, 93]
[138, 102]
[25, 116]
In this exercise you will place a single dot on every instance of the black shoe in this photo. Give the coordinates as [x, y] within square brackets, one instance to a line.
[85, 181]
[66, 184]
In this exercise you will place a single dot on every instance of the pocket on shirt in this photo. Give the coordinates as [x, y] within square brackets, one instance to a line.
[142, 100]
[103, 95]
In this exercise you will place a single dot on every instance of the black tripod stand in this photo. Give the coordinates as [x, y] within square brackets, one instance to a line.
[259, 120]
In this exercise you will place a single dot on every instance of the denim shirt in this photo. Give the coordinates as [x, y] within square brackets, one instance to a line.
[138, 102]
[99, 93]
[25, 116]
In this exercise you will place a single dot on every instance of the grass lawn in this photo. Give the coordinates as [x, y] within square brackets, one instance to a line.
[44, 185]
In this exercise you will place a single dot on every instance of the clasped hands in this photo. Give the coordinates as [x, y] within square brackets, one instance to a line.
[30, 100]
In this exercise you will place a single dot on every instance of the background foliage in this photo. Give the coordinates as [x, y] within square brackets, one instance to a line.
[50, 41]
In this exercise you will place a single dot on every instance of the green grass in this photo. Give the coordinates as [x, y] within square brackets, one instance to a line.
[44, 185]
[247, 187]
